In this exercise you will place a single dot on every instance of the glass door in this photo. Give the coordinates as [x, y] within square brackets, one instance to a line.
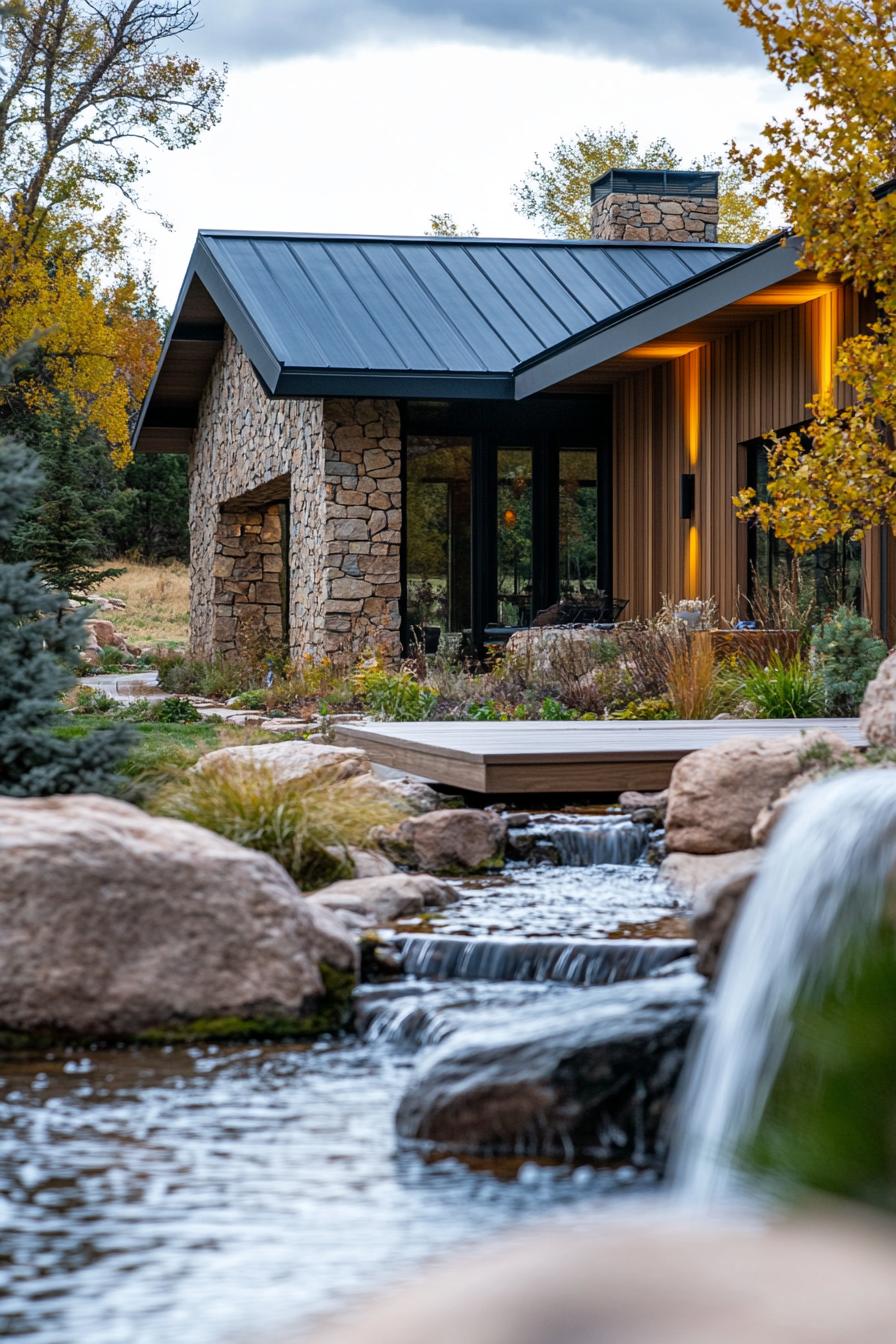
[514, 550]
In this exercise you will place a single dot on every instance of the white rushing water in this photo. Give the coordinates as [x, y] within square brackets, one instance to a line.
[822, 888]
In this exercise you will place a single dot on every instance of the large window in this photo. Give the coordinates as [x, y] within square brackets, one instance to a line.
[439, 470]
[507, 509]
[830, 575]
[578, 524]
[514, 536]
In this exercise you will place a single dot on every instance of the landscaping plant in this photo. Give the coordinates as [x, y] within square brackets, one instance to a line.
[396, 696]
[848, 654]
[39, 657]
[788, 689]
[307, 824]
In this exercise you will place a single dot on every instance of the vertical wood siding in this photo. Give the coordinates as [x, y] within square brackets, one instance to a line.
[747, 383]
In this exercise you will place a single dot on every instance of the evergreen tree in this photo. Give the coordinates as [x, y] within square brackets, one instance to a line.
[39, 640]
[60, 535]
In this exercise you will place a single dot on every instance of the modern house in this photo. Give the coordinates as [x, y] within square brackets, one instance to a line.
[391, 435]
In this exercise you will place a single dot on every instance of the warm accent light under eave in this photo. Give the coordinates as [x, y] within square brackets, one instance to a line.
[663, 351]
[785, 295]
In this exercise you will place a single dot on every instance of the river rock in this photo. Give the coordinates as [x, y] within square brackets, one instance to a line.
[369, 862]
[292, 760]
[877, 716]
[594, 1075]
[716, 884]
[645, 807]
[448, 841]
[120, 926]
[364, 903]
[661, 1277]
[717, 794]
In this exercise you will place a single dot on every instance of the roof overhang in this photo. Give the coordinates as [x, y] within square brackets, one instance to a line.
[729, 283]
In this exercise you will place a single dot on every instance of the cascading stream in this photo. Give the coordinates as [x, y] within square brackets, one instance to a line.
[567, 961]
[821, 891]
[584, 842]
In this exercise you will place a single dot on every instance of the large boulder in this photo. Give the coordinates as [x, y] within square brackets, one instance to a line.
[288, 761]
[663, 1276]
[717, 794]
[877, 716]
[716, 884]
[363, 903]
[122, 926]
[452, 840]
[592, 1075]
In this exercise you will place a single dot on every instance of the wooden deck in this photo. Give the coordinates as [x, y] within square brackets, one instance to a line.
[520, 758]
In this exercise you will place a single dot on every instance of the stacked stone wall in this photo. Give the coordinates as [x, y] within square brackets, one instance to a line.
[338, 464]
[646, 217]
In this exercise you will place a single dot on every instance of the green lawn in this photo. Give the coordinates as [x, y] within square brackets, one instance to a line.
[157, 744]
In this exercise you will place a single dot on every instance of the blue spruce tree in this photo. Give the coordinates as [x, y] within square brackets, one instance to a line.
[39, 643]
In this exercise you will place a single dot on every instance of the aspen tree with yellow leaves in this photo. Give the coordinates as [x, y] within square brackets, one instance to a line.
[831, 167]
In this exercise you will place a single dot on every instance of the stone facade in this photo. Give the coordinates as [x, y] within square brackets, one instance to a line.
[644, 217]
[330, 473]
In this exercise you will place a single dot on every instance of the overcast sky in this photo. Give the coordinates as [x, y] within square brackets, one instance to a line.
[366, 116]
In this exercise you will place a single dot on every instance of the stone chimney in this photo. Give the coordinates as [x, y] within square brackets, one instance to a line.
[660, 206]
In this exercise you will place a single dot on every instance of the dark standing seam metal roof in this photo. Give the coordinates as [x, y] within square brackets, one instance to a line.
[404, 317]
[460, 309]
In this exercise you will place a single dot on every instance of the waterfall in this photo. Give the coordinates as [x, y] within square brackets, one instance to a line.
[583, 841]
[569, 961]
[821, 890]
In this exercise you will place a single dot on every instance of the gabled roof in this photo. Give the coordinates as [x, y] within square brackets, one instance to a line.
[400, 317]
[730, 280]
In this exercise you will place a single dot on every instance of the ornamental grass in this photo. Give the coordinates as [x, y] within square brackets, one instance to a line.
[308, 825]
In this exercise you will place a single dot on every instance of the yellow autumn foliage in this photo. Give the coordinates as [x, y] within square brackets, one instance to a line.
[828, 165]
[92, 348]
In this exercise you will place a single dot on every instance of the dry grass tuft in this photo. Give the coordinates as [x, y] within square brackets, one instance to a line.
[158, 602]
[306, 824]
[691, 680]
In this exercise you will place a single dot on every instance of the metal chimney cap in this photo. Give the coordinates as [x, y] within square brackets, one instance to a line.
[655, 182]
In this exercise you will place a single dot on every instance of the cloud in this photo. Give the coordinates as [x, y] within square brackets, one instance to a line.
[685, 33]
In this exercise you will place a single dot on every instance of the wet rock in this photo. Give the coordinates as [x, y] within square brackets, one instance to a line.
[447, 841]
[363, 903]
[593, 1076]
[818, 1278]
[717, 884]
[877, 716]
[717, 794]
[645, 807]
[292, 760]
[121, 926]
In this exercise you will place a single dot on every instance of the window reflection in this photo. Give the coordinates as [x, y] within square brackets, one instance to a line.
[438, 537]
[578, 524]
[514, 536]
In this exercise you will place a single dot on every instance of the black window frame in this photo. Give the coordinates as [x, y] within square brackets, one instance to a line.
[546, 425]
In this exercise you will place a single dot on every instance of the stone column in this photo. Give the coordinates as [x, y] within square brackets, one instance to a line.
[363, 527]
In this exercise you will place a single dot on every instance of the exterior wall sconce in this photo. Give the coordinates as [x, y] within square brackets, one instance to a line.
[688, 493]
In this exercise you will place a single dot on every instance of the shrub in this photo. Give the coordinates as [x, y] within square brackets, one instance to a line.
[397, 696]
[87, 700]
[112, 659]
[783, 690]
[217, 678]
[651, 707]
[553, 711]
[848, 655]
[174, 709]
[254, 699]
[307, 824]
